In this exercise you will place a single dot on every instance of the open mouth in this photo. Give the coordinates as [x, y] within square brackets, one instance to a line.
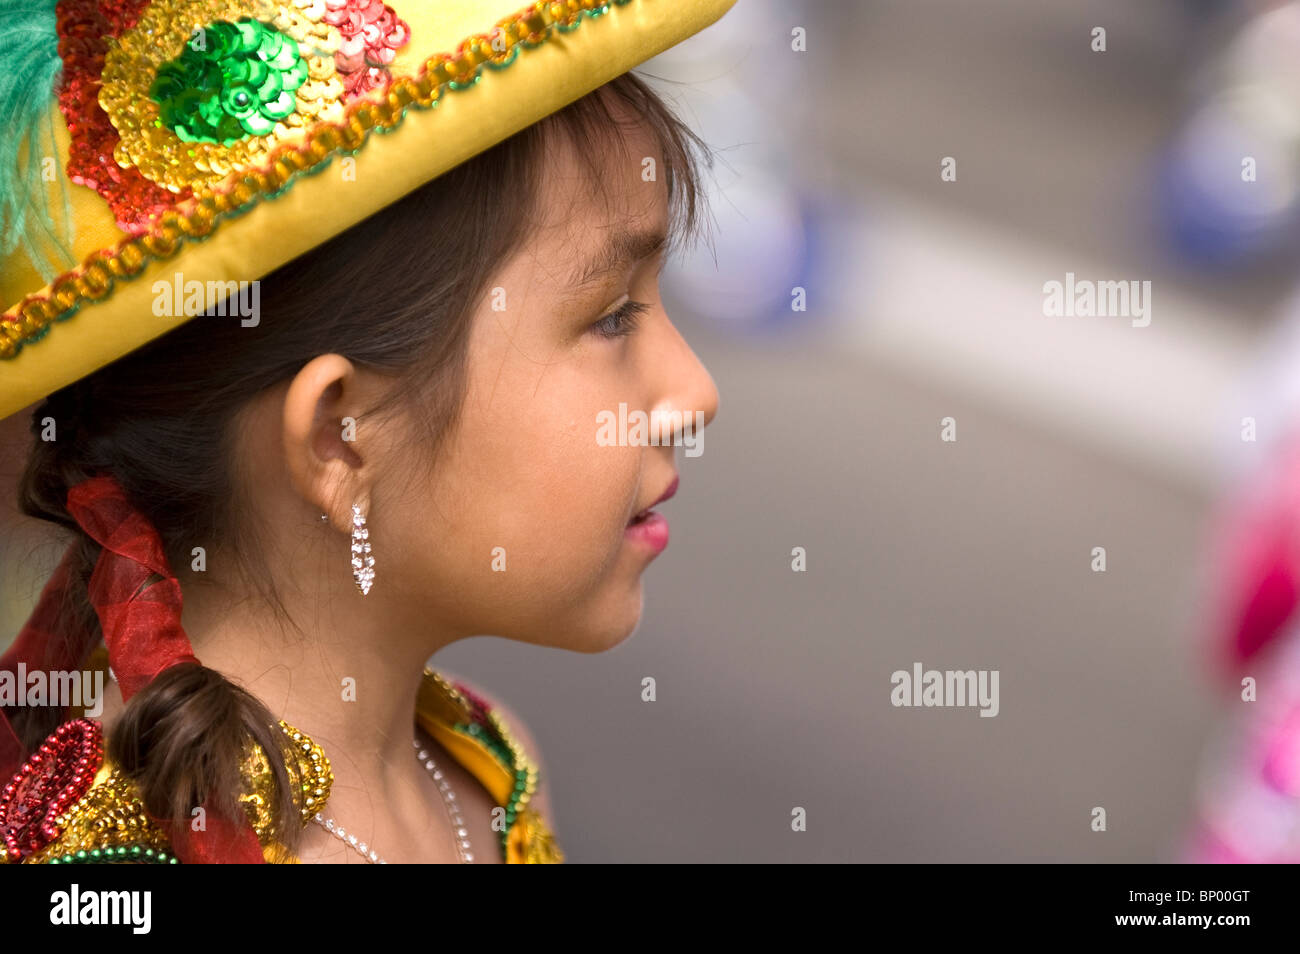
[647, 513]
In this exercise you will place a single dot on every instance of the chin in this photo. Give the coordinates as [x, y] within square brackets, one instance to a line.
[610, 625]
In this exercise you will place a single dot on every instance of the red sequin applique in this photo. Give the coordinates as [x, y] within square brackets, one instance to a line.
[85, 27]
[54, 778]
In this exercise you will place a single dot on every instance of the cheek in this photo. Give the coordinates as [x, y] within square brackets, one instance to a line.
[524, 483]
[554, 491]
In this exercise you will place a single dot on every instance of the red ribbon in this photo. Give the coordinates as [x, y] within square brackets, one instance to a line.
[142, 628]
[142, 631]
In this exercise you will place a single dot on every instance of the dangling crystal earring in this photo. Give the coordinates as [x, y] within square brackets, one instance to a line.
[363, 564]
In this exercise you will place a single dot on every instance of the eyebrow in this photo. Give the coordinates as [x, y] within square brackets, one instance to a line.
[622, 247]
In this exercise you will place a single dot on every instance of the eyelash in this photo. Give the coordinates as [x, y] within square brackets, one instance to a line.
[621, 322]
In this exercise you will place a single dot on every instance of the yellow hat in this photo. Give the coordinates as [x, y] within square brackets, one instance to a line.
[185, 135]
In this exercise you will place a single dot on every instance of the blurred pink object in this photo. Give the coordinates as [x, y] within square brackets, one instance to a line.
[1248, 800]
[1262, 562]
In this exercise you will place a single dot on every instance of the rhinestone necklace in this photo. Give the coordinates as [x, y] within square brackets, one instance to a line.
[460, 832]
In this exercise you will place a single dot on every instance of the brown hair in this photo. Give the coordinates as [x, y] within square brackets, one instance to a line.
[394, 294]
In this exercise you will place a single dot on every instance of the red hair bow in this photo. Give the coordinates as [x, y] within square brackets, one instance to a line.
[141, 623]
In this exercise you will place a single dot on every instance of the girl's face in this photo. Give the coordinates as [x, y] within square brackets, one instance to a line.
[526, 528]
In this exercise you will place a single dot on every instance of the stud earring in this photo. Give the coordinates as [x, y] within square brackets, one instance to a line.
[363, 564]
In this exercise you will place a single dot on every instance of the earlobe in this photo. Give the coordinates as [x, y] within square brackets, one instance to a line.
[321, 464]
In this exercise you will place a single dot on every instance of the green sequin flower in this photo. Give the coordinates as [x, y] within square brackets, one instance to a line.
[232, 81]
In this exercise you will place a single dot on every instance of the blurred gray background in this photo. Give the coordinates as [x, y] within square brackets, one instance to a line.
[773, 686]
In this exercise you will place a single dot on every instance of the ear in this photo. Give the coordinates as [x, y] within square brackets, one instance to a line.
[325, 457]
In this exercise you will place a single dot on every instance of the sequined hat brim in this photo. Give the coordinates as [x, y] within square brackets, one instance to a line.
[222, 188]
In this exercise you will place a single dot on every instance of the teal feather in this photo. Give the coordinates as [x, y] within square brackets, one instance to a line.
[30, 70]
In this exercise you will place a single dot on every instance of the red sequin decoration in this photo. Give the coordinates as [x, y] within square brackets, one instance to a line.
[372, 34]
[52, 781]
[478, 706]
[85, 27]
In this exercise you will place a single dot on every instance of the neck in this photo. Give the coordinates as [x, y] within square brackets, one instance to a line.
[349, 681]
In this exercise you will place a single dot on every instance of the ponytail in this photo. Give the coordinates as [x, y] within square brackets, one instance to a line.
[185, 732]
[183, 738]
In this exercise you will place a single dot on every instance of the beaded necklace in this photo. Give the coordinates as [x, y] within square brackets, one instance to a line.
[478, 723]
[460, 832]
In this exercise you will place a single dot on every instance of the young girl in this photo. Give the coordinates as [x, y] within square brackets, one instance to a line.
[281, 509]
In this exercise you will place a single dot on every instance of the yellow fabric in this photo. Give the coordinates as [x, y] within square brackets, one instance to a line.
[314, 208]
[437, 720]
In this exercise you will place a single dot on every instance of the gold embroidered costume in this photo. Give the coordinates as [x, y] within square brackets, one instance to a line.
[109, 824]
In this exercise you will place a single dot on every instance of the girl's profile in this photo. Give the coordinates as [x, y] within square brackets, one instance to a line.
[277, 514]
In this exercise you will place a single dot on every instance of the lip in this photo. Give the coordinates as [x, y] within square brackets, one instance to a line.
[652, 531]
[672, 489]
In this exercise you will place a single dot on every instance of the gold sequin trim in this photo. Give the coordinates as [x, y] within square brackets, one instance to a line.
[531, 842]
[198, 217]
[111, 812]
[309, 773]
[109, 815]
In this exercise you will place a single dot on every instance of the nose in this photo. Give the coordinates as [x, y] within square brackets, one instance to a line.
[690, 388]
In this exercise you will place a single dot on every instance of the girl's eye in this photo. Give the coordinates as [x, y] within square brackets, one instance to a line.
[621, 322]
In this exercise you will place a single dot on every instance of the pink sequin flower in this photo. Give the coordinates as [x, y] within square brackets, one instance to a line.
[372, 34]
